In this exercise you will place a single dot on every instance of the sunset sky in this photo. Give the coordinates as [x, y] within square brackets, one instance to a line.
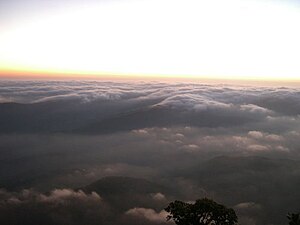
[234, 39]
[110, 110]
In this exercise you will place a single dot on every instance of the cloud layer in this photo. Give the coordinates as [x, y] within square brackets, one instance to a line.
[107, 107]
[236, 144]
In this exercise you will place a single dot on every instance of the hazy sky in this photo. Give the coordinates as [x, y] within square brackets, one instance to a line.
[217, 38]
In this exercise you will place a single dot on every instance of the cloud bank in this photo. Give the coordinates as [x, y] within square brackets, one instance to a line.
[236, 144]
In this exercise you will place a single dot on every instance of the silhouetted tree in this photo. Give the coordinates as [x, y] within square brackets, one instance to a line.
[294, 218]
[202, 212]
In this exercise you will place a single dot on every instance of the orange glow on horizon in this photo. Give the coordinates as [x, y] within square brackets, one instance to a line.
[67, 75]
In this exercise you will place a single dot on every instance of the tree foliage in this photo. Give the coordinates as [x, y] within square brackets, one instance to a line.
[202, 212]
[294, 218]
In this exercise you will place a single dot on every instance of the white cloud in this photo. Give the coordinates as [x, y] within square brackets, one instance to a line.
[192, 148]
[140, 131]
[179, 135]
[255, 134]
[254, 108]
[54, 197]
[257, 148]
[248, 205]
[148, 214]
[282, 148]
[158, 196]
[274, 137]
[60, 195]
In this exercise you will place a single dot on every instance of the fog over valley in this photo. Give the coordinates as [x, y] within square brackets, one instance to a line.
[99, 152]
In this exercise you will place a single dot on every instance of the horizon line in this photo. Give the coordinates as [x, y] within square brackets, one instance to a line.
[52, 75]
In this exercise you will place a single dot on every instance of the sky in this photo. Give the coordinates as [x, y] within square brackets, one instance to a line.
[234, 39]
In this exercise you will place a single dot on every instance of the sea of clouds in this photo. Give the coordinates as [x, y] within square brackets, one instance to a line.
[237, 144]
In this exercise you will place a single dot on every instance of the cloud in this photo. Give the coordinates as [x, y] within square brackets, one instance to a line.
[55, 196]
[60, 206]
[265, 136]
[141, 131]
[61, 195]
[148, 214]
[107, 107]
[274, 137]
[231, 143]
[257, 148]
[248, 205]
[191, 148]
[158, 196]
[282, 148]
[254, 108]
[255, 134]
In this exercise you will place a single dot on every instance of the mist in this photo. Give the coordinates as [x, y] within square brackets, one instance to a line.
[95, 152]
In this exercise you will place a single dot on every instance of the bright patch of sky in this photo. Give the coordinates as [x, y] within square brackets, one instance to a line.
[217, 38]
